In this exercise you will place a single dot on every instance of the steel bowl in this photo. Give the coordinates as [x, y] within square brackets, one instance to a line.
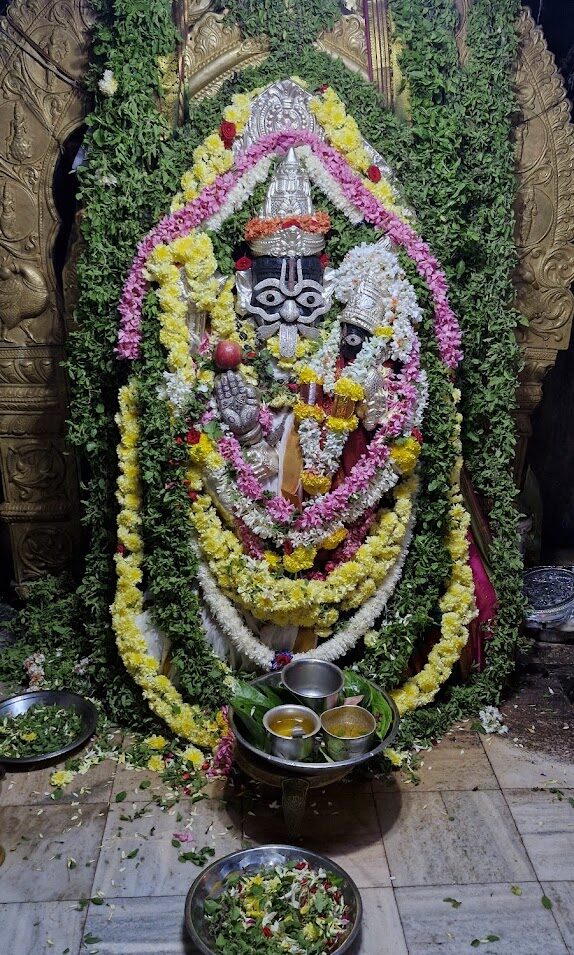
[320, 767]
[291, 747]
[549, 592]
[15, 705]
[345, 747]
[315, 682]
[211, 882]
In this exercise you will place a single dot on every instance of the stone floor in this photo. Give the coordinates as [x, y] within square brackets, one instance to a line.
[482, 846]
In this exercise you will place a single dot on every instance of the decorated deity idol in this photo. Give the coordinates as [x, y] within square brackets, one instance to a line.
[294, 384]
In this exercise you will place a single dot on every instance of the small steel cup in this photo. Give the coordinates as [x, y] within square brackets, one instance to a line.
[291, 747]
[345, 747]
[316, 683]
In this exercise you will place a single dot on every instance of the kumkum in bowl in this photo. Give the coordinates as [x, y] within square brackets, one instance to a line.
[349, 731]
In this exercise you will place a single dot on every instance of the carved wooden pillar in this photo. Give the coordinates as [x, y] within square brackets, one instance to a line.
[43, 56]
[544, 219]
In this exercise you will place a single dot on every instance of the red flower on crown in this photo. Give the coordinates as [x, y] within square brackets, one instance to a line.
[324, 260]
[374, 173]
[228, 132]
[243, 263]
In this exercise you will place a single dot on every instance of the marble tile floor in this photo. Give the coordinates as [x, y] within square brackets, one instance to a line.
[479, 856]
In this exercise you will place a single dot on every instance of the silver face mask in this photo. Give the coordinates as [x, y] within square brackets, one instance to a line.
[289, 304]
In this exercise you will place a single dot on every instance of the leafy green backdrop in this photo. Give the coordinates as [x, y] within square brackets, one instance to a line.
[455, 162]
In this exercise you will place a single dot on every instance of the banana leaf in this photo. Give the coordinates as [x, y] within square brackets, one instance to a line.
[250, 704]
[373, 699]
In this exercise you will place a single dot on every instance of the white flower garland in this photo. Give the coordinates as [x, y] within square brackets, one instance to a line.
[239, 194]
[334, 647]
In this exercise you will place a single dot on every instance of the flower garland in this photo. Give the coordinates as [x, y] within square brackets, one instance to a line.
[344, 134]
[337, 172]
[331, 649]
[184, 720]
[162, 696]
[213, 156]
[301, 602]
[458, 607]
[257, 228]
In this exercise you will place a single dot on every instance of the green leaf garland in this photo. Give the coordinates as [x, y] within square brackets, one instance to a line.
[455, 162]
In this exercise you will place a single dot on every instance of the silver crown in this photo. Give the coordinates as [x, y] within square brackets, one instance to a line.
[289, 194]
[365, 308]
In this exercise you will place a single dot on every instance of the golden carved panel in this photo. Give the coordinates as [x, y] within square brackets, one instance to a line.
[544, 214]
[43, 57]
[347, 41]
[214, 51]
[42, 548]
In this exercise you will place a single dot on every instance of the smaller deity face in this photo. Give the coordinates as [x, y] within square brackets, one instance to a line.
[352, 338]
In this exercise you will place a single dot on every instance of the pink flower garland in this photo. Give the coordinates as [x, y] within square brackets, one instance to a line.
[331, 505]
[211, 200]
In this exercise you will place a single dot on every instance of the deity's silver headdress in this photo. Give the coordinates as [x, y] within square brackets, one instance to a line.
[365, 308]
[288, 198]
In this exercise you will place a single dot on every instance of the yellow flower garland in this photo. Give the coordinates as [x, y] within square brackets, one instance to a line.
[344, 134]
[194, 255]
[165, 701]
[211, 157]
[253, 586]
[457, 606]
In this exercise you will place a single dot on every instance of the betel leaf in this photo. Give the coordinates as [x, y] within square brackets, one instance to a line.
[546, 902]
[250, 703]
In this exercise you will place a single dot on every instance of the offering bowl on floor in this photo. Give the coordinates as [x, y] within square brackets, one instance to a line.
[211, 882]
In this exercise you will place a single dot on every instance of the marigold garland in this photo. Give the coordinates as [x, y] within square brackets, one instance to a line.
[343, 133]
[252, 586]
[260, 228]
[165, 701]
[457, 607]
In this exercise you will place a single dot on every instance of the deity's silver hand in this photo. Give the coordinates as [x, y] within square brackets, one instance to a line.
[238, 405]
[373, 409]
